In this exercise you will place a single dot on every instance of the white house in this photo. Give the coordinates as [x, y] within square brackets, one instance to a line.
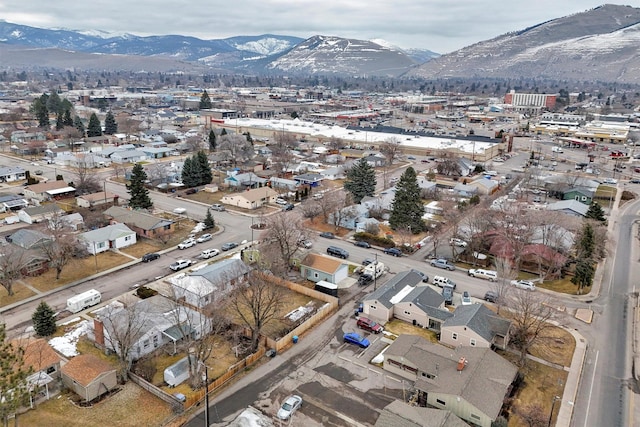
[114, 236]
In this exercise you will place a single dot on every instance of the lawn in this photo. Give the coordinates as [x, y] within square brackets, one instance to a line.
[130, 407]
[555, 345]
[564, 286]
[400, 327]
[20, 292]
[78, 268]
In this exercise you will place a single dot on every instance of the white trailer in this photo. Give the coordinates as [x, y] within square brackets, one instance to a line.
[375, 269]
[81, 301]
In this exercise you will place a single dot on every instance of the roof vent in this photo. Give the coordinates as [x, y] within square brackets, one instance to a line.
[462, 362]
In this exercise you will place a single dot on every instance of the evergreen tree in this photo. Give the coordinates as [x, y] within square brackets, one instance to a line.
[40, 111]
[224, 132]
[212, 140]
[596, 212]
[110, 125]
[190, 172]
[13, 378]
[360, 180]
[407, 210]
[204, 169]
[205, 101]
[249, 139]
[77, 123]
[44, 320]
[59, 122]
[209, 222]
[584, 273]
[139, 194]
[94, 128]
[66, 118]
[54, 103]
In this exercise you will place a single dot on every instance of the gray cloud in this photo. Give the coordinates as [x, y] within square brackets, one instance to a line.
[439, 25]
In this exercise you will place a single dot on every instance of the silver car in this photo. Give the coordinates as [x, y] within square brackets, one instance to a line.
[289, 407]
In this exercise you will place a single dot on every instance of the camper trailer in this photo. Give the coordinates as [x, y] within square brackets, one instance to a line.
[375, 269]
[81, 301]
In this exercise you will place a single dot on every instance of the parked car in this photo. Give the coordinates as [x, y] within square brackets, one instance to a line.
[204, 238]
[218, 207]
[489, 275]
[289, 407]
[365, 279]
[369, 325]
[338, 252]
[458, 242]
[362, 244]
[186, 243]
[288, 207]
[393, 251]
[209, 253]
[411, 157]
[327, 235]
[281, 201]
[180, 264]
[354, 338]
[442, 263]
[367, 261]
[443, 281]
[152, 256]
[491, 296]
[305, 243]
[425, 278]
[38, 172]
[527, 285]
[229, 246]
[466, 299]
[447, 294]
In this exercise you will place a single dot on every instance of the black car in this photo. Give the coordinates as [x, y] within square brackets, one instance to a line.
[365, 279]
[425, 278]
[393, 251]
[635, 181]
[362, 244]
[288, 207]
[491, 296]
[150, 257]
[327, 235]
[228, 246]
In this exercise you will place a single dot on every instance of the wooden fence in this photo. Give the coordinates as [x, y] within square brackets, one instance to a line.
[175, 403]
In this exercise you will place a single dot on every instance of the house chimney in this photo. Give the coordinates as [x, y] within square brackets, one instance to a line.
[98, 332]
[461, 363]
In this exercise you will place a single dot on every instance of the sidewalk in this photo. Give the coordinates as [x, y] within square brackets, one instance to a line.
[565, 413]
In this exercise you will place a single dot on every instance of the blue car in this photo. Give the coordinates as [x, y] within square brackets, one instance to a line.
[353, 338]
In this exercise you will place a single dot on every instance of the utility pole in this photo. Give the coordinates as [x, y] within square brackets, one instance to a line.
[206, 394]
[375, 272]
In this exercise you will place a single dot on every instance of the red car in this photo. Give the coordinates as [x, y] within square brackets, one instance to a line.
[369, 325]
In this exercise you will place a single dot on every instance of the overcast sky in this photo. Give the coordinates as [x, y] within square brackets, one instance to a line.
[438, 25]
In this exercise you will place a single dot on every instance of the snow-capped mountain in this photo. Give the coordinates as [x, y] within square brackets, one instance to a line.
[418, 55]
[336, 55]
[598, 44]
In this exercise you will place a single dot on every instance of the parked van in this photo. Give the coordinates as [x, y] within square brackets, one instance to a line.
[443, 281]
[179, 211]
[81, 301]
[339, 252]
[489, 275]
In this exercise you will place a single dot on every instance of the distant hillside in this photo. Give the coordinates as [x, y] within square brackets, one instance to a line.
[602, 44]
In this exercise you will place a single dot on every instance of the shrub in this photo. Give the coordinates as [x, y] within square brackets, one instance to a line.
[375, 240]
[144, 292]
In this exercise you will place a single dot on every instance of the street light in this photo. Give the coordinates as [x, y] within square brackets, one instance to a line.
[553, 404]
[205, 377]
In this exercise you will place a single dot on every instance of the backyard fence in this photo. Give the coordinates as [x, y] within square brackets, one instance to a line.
[158, 392]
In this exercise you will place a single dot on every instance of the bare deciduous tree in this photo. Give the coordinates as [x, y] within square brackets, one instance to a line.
[64, 245]
[285, 230]
[534, 415]
[86, 180]
[502, 286]
[391, 149]
[344, 209]
[257, 304]
[13, 259]
[235, 148]
[531, 315]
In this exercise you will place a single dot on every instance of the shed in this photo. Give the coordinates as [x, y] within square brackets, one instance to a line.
[177, 373]
[89, 376]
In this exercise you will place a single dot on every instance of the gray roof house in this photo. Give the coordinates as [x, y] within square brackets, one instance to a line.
[401, 414]
[382, 201]
[114, 236]
[11, 173]
[29, 239]
[144, 224]
[569, 207]
[244, 180]
[406, 298]
[465, 190]
[476, 326]
[39, 213]
[204, 286]
[128, 156]
[12, 202]
[471, 382]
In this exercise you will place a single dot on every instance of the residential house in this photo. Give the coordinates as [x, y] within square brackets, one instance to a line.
[425, 185]
[114, 236]
[251, 199]
[144, 224]
[11, 202]
[204, 286]
[406, 298]
[317, 267]
[12, 173]
[48, 191]
[283, 184]
[433, 208]
[44, 363]
[156, 152]
[89, 376]
[333, 173]
[244, 180]
[28, 238]
[350, 216]
[375, 161]
[569, 207]
[402, 414]
[310, 179]
[128, 156]
[581, 194]
[96, 199]
[40, 213]
[465, 190]
[470, 382]
[381, 202]
[466, 166]
[485, 186]
[73, 221]
[475, 326]
[160, 322]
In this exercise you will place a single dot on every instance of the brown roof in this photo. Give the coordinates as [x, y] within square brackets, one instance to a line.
[85, 368]
[46, 186]
[322, 263]
[39, 355]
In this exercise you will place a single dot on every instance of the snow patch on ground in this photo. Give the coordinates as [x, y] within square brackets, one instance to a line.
[66, 344]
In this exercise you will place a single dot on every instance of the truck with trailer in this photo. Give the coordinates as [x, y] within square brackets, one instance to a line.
[84, 300]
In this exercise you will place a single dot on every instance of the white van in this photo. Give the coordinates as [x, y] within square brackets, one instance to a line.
[179, 211]
[557, 149]
[443, 281]
[84, 300]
